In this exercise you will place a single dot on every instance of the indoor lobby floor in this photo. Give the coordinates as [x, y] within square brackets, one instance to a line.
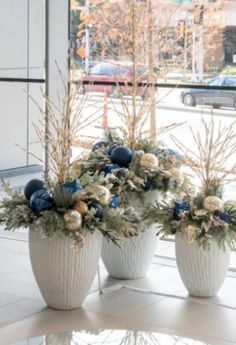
[157, 302]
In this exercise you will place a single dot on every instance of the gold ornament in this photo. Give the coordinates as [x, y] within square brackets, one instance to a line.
[101, 193]
[212, 203]
[191, 233]
[77, 195]
[168, 162]
[81, 207]
[149, 161]
[200, 213]
[176, 173]
[73, 220]
[230, 204]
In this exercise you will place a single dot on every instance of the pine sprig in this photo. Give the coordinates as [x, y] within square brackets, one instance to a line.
[15, 213]
[14, 210]
[14, 216]
[198, 224]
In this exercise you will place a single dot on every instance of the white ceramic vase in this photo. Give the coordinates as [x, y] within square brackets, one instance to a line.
[64, 274]
[135, 257]
[202, 271]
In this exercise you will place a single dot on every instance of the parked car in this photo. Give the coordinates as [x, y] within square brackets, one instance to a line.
[114, 72]
[215, 98]
[93, 63]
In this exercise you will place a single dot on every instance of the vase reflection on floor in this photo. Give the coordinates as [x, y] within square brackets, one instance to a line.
[110, 336]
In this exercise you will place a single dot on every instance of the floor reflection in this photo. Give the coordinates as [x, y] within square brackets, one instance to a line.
[110, 337]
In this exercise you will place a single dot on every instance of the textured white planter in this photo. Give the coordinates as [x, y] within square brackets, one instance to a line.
[135, 257]
[64, 274]
[202, 271]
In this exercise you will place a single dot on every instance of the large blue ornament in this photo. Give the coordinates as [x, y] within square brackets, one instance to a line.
[109, 168]
[182, 205]
[121, 155]
[100, 144]
[32, 186]
[114, 203]
[147, 185]
[99, 209]
[41, 200]
[72, 187]
[225, 217]
[111, 146]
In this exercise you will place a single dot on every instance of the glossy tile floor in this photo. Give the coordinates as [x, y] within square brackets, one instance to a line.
[158, 302]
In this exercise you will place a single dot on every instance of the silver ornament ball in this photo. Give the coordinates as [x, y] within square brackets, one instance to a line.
[73, 220]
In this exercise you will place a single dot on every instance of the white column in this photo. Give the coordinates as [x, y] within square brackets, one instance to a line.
[57, 45]
[57, 49]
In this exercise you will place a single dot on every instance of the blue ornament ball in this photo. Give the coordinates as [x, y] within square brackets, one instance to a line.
[147, 185]
[163, 153]
[32, 186]
[160, 153]
[225, 217]
[182, 205]
[109, 168]
[121, 155]
[41, 200]
[99, 209]
[114, 203]
[175, 153]
[111, 146]
[100, 144]
[72, 187]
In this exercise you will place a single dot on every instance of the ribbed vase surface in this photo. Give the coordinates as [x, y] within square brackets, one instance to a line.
[64, 274]
[202, 271]
[135, 257]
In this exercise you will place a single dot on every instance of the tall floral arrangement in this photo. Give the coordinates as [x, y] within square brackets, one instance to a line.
[59, 202]
[202, 213]
[146, 167]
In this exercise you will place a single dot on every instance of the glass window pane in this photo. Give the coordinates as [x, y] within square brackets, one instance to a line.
[36, 39]
[22, 39]
[231, 81]
[216, 81]
[175, 42]
[22, 56]
[13, 38]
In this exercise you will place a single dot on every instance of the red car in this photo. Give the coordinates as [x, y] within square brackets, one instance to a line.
[113, 72]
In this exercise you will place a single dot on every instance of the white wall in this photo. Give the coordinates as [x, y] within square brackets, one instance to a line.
[22, 55]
